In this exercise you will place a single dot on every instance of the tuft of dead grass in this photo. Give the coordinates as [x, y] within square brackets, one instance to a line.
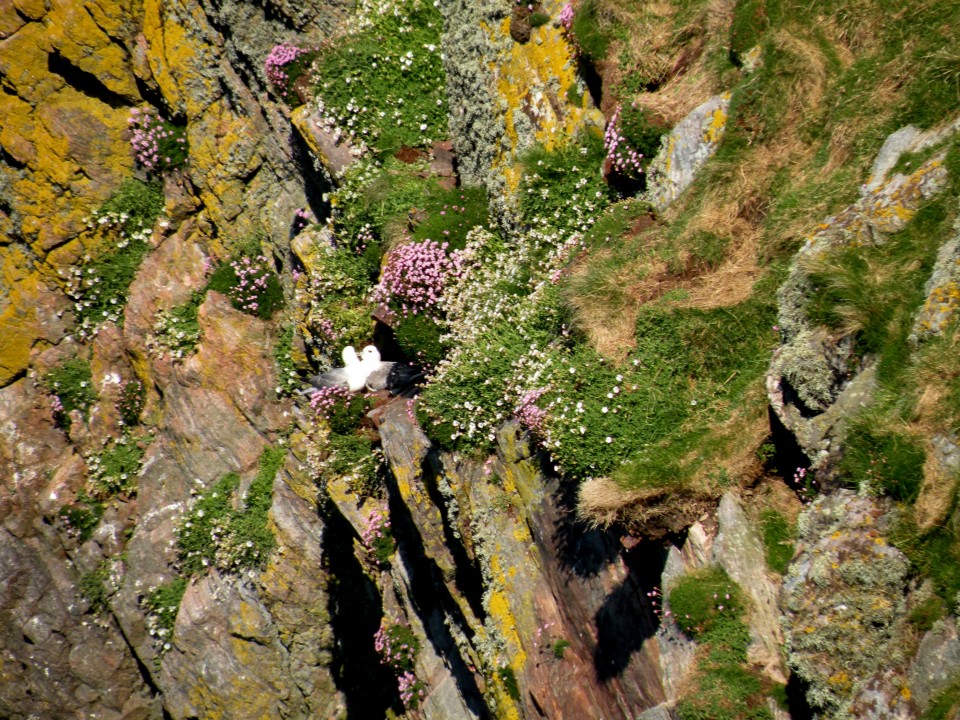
[651, 513]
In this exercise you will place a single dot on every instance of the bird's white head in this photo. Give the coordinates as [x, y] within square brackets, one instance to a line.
[370, 355]
[350, 356]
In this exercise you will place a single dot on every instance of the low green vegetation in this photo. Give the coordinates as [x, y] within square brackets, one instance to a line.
[448, 215]
[888, 463]
[709, 606]
[225, 531]
[250, 283]
[93, 589]
[116, 469]
[560, 647]
[288, 379]
[419, 336]
[99, 287]
[946, 704]
[590, 31]
[177, 330]
[385, 84]
[163, 604]
[83, 516]
[131, 402]
[71, 384]
[778, 539]
[706, 600]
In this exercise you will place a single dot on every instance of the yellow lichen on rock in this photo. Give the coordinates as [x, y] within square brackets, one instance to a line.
[532, 79]
[28, 312]
[717, 122]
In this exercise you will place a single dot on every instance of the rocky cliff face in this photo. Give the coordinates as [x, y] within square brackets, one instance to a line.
[493, 597]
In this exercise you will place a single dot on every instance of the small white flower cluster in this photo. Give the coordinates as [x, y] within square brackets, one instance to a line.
[83, 283]
[173, 336]
[116, 468]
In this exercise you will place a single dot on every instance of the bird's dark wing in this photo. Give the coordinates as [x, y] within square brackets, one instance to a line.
[394, 377]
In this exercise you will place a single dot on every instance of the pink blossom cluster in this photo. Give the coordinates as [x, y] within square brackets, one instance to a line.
[656, 602]
[415, 275]
[805, 487]
[148, 130]
[623, 158]
[529, 415]
[281, 56]
[252, 276]
[411, 689]
[325, 399]
[302, 218]
[325, 328]
[396, 654]
[56, 407]
[375, 527]
[567, 13]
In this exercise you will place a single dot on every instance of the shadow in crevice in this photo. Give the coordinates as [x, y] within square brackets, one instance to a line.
[787, 456]
[797, 699]
[432, 601]
[581, 550]
[592, 79]
[467, 577]
[85, 82]
[627, 618]
[354, 604]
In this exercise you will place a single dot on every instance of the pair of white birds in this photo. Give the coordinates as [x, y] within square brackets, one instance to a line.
[368, 371]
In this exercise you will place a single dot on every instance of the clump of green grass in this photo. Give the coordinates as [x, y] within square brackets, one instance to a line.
[99, 288]
[886, 461]
[509, 679]
[538, 19]
[288, 379]
[451, 214]
[946, 705]
[177, 330]
[750, 22]
[93, 589]
[138, 203]
[419, 337]
[72, 385]
[560, 647]
[778, 536]
[250, 283]
[591, 31]
[933, 553]
[163, 604]
[705, 600]
[131, 402]
[874, 291]
[553, 178]
[353, 458]
[224, 532]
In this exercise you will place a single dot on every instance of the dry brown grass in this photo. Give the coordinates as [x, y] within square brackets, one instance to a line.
[650, 513]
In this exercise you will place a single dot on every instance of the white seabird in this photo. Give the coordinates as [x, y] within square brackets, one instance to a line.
[353, 374]
[391, 376]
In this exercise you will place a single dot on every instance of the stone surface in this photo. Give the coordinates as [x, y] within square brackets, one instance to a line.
[535, 573]
[935, 665]
[740, 551]
[813, 369]
[685, 150]
[844, 601]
